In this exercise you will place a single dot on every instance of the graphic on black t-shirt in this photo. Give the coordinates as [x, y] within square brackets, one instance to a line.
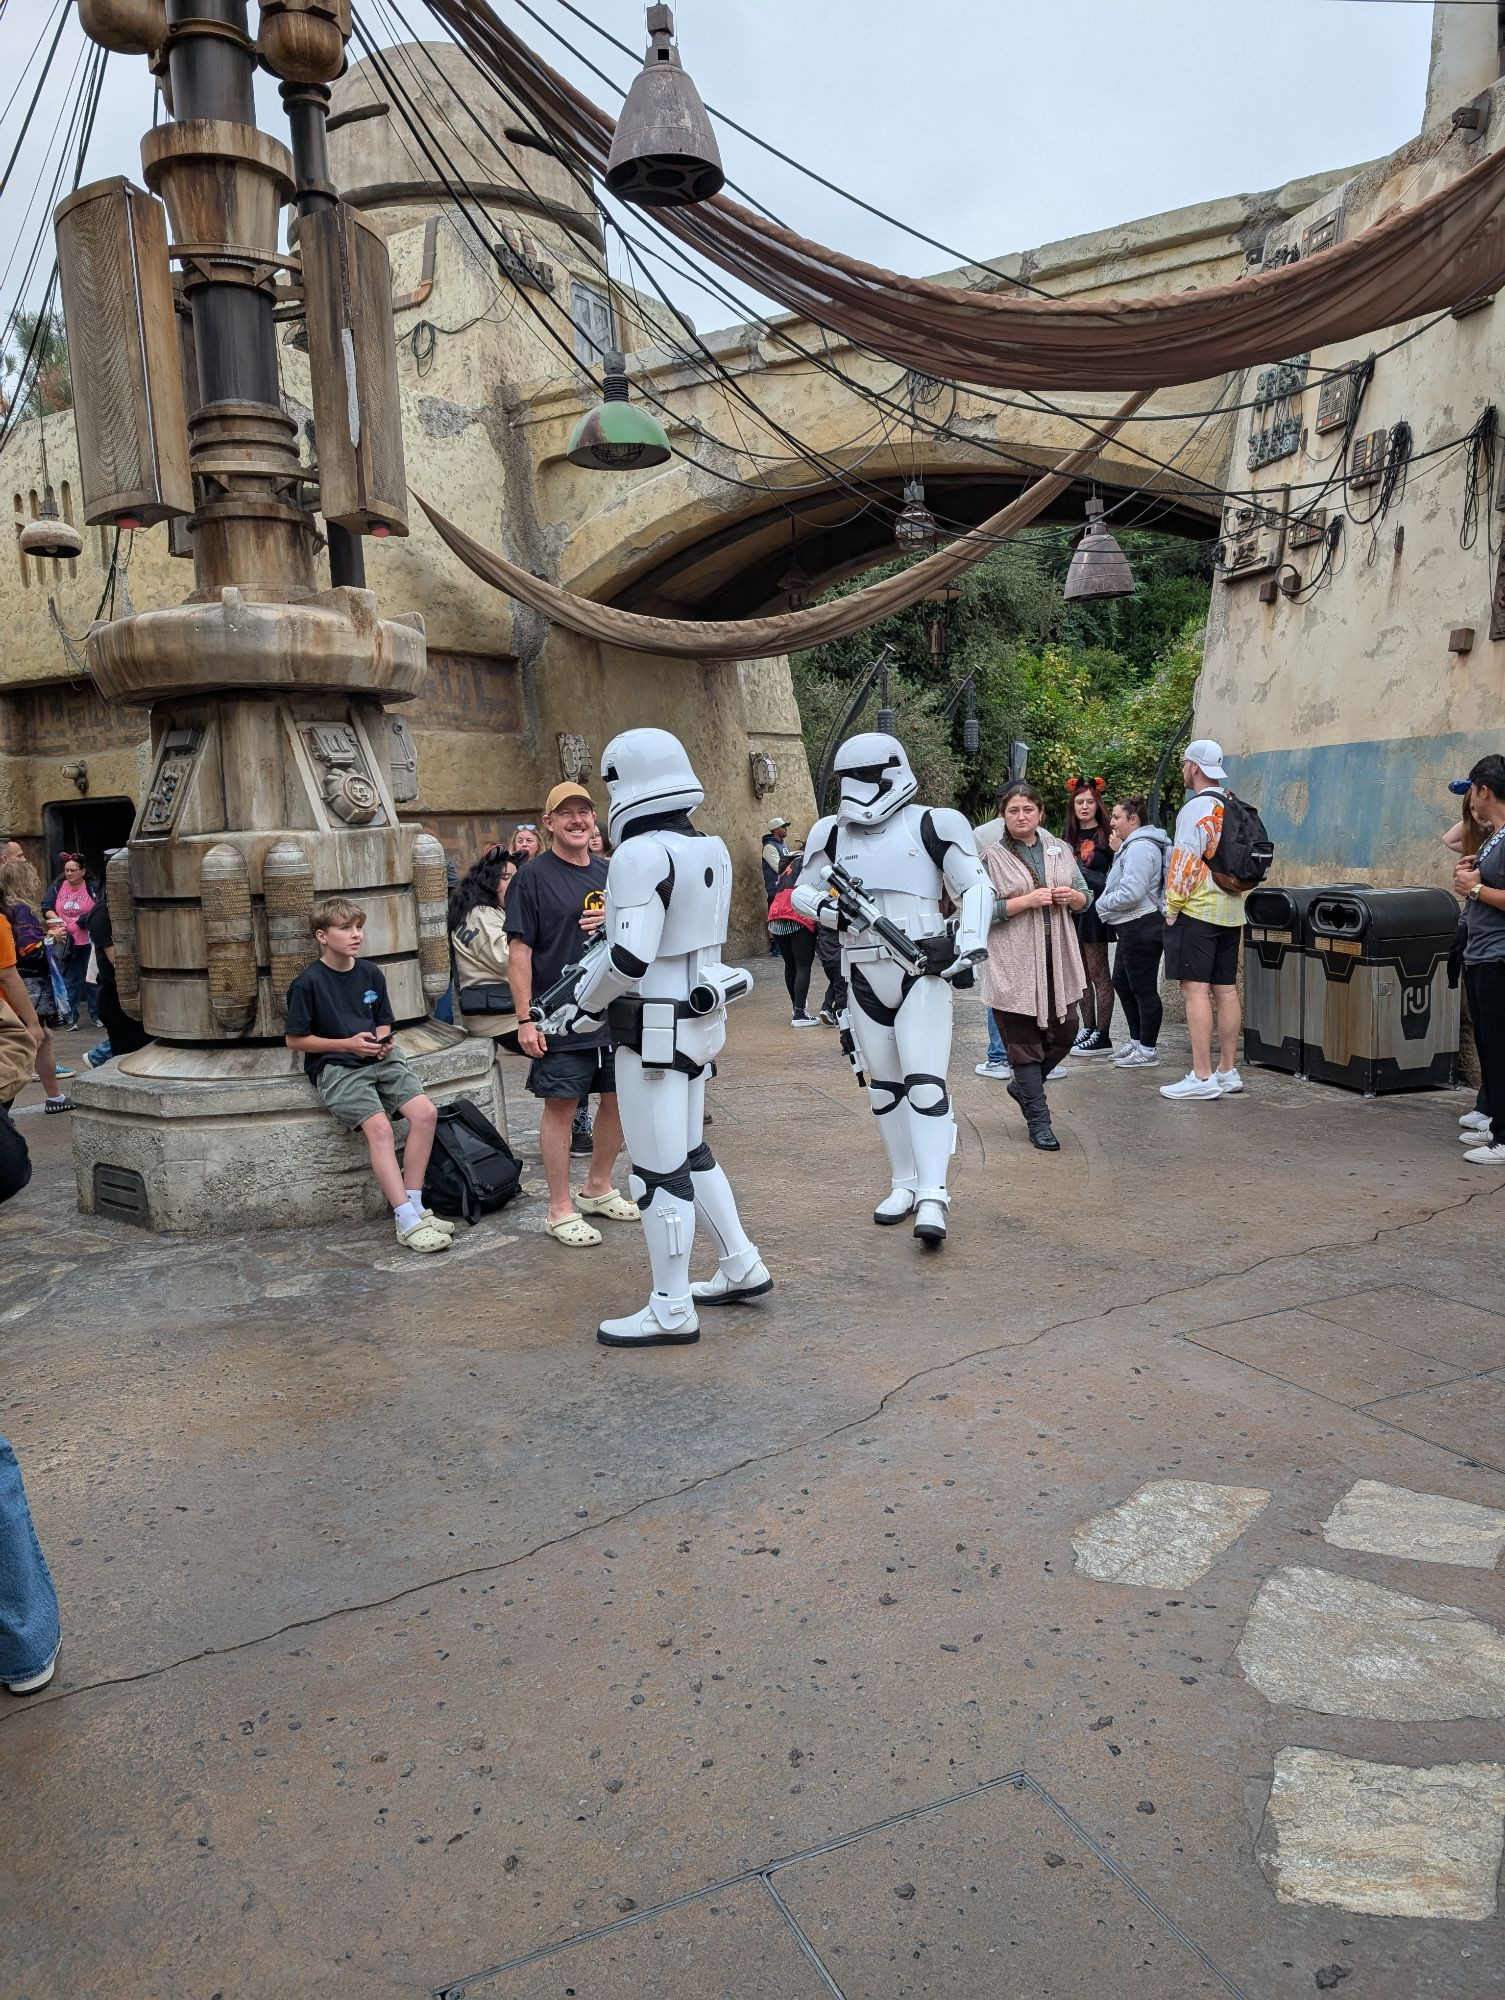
[544, 907]
[322, 1001]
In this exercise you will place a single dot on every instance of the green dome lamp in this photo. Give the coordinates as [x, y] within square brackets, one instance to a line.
[617, 435]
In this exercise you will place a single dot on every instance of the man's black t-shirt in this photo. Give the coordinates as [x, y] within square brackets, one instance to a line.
[101, 933]
[545, 903]
[333, 1004]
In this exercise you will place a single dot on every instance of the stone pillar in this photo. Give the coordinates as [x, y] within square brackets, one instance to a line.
[272, 782]
[1465, 56]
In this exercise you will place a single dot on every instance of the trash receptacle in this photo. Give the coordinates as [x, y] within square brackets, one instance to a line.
[1277, 942]
[1380, 1006]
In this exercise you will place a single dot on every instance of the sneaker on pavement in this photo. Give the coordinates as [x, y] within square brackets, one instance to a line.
[30, 1683]
[802, 1020]
[1061, 1071]
[1486, 1156]
[1228, 1081]
[1191, 1086]
[1098, 1043]
[1142, 1058]
[1122, 1055]
[826, 1017]
[1471, 1121]
[1081, 1041]
[994, 1069]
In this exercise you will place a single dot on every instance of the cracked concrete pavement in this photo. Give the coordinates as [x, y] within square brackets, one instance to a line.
[410, 1636]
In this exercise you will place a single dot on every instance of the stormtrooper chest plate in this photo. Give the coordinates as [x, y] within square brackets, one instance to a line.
[895, 870]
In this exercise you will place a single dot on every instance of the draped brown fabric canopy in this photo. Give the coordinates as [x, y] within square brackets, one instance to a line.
[758, 638]
[1426, 258]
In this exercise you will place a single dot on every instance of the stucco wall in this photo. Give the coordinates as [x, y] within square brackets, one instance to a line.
[1345, 715]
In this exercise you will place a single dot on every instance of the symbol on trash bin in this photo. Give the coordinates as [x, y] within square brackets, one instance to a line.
[1416, 1009]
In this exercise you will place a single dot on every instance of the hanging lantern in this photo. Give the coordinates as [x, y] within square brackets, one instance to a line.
[794, 587]
[915, 528]
[971, 730]
[617, 435]
[664, 153]
[1099, 567]
[49, 535]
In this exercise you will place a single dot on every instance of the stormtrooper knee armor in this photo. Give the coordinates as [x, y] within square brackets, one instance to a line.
[900, 858]
[661, 985]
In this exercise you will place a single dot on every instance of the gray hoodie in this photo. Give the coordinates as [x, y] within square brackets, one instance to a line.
[1136, 881]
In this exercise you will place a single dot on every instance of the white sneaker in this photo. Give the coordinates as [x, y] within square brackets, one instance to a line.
[1059, 1073]
[994, 1069]
[30, 1683]
[802, 1020]
[1124, 1054]
[1474, 1135]
[1475, 1121]
[1228, 1081]
[678, 1326]
[1486, 1156]
[1142, 1058]
[1191, 1085]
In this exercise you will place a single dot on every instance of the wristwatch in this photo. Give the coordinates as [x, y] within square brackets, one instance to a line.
[1473, 894]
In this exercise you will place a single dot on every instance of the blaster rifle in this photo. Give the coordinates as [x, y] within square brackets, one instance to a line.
[860, 912]
[566, 986]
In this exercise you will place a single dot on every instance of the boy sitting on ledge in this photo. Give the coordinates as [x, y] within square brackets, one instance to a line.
[339, 1018]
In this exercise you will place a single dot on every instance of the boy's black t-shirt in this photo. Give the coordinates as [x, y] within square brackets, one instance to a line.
[333, 1004]
[545, 903]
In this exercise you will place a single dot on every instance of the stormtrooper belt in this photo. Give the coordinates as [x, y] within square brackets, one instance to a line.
[650, 1028]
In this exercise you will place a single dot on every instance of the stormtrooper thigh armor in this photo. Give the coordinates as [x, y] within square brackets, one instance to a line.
[668, 897]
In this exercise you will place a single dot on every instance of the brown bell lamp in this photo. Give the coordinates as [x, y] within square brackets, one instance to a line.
[1099, 568]
[664, 154]
[49, 535]
[617, 435]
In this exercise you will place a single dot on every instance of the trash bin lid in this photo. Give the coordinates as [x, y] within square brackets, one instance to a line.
[1379, 916]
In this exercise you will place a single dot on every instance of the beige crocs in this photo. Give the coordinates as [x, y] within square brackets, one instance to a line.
[423, 1237]
[615, 1207]
[440, 1222]
[574, 1232]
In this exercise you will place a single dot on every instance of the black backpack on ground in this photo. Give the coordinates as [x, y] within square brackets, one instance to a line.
[472, 1171]
[1241, 860]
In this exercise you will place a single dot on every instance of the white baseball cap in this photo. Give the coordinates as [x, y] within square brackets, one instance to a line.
[1207, 755]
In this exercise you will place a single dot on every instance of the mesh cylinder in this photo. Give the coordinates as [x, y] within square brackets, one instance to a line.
[229, 940]
[122, 903]
[431, 892]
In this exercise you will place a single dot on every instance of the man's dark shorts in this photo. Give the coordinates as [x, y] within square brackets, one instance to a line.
[574, 1073]
[1203, 954]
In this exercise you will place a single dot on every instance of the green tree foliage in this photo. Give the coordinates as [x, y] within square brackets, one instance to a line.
[49, 381]
[1099, 689]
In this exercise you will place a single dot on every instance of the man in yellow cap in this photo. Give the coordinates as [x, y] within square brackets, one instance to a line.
[554, 909]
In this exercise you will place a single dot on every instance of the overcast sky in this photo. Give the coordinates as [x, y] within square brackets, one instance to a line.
[994, 125]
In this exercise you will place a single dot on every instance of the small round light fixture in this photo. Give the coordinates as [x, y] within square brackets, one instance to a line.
[49, 535]
[617, 436]
[664, 153]
[1099, 567]
[915, 527]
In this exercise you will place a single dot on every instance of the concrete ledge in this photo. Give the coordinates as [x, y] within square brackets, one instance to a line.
[219, 1155]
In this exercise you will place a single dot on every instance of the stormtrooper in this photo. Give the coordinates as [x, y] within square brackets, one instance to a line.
[656, 977]
[876, 873]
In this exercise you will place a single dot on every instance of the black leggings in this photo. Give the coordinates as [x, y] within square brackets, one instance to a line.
[797, 950]
[1486, 1007]
[1136, 976]
[1097, 1001]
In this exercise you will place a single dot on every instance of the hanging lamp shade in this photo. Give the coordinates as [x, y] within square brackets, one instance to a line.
[617, 435]
[1099, 567]
[915, 527]
[49, 535]
[664, 153]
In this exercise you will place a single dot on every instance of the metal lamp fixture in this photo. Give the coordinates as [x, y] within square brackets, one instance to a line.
[915, 527]
[49, 535]
[617, 435]
[1099, 567]
[664, 153]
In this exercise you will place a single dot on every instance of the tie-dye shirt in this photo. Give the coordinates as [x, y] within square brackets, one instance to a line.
[1189, 888]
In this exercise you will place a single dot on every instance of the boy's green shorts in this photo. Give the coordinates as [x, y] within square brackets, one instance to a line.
[354, 1095]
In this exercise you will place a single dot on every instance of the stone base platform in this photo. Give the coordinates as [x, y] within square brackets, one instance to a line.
[220, 1140]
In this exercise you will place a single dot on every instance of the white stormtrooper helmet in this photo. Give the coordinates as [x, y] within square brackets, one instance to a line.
[875, 779]
[647, 772]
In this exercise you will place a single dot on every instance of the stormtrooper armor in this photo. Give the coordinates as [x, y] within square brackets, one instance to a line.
[905, 857]
[661, 985]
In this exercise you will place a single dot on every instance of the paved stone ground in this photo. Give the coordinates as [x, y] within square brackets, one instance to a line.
[415, 1644]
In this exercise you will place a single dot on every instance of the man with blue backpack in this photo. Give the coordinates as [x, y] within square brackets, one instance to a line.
[1220, 852]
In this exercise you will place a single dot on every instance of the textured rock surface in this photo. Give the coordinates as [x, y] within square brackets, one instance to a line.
[1382, 1839]
[1427, 1527]
[1167, 1533]
[1315, 1640]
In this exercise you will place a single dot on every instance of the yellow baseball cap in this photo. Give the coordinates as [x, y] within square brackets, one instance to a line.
[568, 790]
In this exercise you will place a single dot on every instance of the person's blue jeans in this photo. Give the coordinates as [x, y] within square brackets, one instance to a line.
[444, 1009]
[997, 1053]
[74, 967]
[29, 1626]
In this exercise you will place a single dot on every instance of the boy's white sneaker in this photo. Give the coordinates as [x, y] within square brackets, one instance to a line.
[1486, 1156]
[1228, 1081]
[1061, 1071]
[1475, 1121]
[30, 1683]
[1191, 1086]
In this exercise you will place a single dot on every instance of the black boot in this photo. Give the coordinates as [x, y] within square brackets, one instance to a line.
[1027, 1089]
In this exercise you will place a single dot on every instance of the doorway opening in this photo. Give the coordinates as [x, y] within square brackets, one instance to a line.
[90, 827]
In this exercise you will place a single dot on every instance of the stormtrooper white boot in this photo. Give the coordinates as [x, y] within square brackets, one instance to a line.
[893, 1125]
[741, 1272]
[934, 1140]
[930, 1220]
[668, 1319]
